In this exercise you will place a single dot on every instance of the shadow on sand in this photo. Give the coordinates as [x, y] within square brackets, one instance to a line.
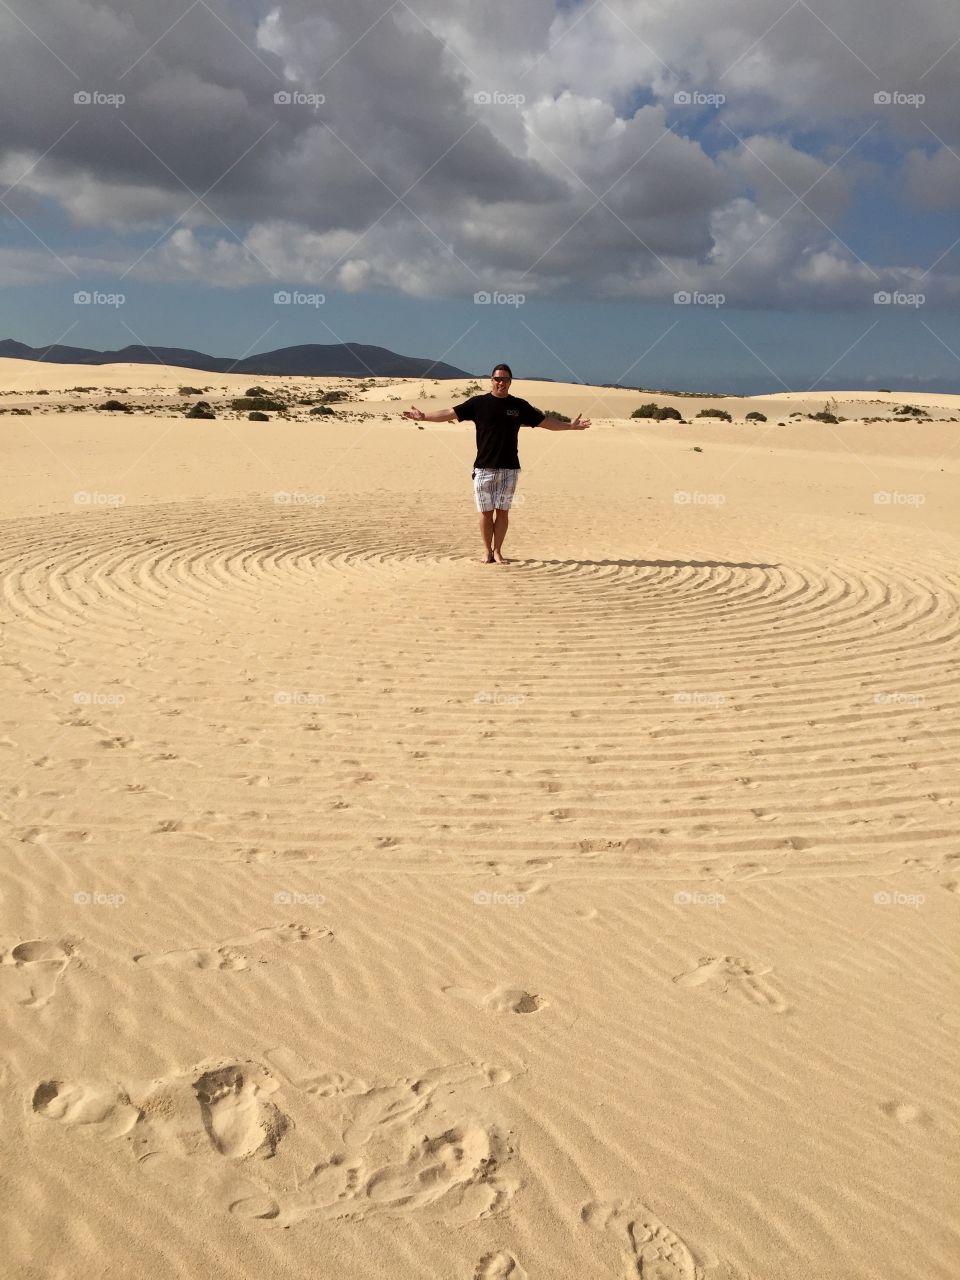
[650, 564]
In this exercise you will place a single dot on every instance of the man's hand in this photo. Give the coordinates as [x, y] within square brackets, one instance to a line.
[439, 415]
[554, 424]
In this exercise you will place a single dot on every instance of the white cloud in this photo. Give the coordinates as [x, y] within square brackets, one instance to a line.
[400, 180]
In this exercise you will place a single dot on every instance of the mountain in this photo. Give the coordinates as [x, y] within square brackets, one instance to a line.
[343, 360]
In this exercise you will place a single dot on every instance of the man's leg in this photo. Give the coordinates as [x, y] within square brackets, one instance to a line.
[500, 526]
[483, 496]
[487, 534]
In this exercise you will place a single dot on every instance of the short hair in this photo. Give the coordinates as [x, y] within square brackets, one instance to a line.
[505, 367]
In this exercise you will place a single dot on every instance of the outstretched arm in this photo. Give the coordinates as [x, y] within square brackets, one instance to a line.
[441, 415]
[554, 424]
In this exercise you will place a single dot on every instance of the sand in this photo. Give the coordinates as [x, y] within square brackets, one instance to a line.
[371, 912]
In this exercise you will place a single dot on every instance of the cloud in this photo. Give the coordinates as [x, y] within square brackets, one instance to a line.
[434, 149]
[932, 181]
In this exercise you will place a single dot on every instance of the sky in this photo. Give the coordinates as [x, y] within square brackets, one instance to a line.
[741, 195]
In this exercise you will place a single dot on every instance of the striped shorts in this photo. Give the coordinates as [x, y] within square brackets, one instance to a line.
[494, 488]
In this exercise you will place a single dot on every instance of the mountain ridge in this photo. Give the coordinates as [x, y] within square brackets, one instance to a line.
[343, 360]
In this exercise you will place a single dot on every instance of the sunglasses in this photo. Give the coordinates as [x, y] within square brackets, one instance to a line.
[501, 379]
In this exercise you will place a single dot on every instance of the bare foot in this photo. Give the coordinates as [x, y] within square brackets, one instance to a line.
[500, 558]
[487, 559]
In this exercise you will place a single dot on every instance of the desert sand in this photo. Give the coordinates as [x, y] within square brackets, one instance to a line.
[372, 912]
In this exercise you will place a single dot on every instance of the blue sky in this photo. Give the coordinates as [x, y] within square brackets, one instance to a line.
[563, 171]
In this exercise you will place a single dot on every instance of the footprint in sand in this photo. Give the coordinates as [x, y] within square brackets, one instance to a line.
[650, 1249]
[30, 971]
[732, 972]
[416, 1145]
[230, 955]
[906, 1113]
[104, 1110]
[223, 957]
[322, 1084]
[215, 1109]
[237, 1121]
[501, 1000]
[499, 1266]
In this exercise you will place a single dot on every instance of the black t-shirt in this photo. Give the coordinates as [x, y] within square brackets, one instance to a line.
[498, 420]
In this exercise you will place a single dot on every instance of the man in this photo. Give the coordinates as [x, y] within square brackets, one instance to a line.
[498, 417]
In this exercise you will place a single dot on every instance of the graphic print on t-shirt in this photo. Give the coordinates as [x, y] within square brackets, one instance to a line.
[498, 420]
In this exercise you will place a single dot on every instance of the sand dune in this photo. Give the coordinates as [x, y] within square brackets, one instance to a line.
[371, 912]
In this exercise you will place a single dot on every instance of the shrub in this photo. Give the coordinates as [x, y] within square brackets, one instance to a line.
[323, 409]
[555, 413]
[257, 402]
[190, 391]
[823, 416]
[909, 409]
[333, 397]
[200, 411]
[885, 391]
[715, 413]
[256, 416]
[23, 413]
[257, 391]
[655, 411]
[756, 417]
[114, 406]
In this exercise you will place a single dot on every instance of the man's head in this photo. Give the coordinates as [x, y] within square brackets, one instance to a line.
[500, 380]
